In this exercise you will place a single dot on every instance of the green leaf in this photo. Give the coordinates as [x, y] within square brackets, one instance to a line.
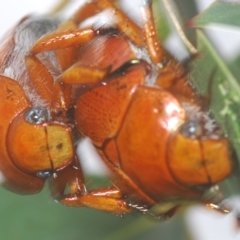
[162, 25]
[39, 217]
[218, 13]
[212, 78]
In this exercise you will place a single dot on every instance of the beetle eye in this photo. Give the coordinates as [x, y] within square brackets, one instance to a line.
[37, 116]
[44, 174]
[191, 129]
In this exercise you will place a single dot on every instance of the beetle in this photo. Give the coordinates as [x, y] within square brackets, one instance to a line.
[120, 88]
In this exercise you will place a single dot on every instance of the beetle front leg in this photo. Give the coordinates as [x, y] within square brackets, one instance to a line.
[68, 34]
[58, 40]
[56, 95]
[71, 177]
[105, 199]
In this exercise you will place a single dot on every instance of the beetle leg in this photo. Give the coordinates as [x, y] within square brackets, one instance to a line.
[56, 95]
[71, 177]
[123, 22]
[68, 34]
[67, 56]
[155, 50]
[40, 77]
[64, 37]
[106, 199]
[59, 40]
[82, 74]
[172, 76]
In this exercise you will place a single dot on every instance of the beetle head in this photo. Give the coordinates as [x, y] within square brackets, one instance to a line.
[198, 154]
[38, 146]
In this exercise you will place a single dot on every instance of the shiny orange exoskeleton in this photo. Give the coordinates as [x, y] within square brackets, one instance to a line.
[116, 85]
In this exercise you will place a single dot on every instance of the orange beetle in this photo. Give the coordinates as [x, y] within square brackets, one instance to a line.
[129, 96]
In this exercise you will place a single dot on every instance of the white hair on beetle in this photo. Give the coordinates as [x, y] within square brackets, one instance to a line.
[195, 113]
[25, 34]
[142, 53]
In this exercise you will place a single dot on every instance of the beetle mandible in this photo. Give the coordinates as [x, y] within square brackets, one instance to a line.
[117, 86]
